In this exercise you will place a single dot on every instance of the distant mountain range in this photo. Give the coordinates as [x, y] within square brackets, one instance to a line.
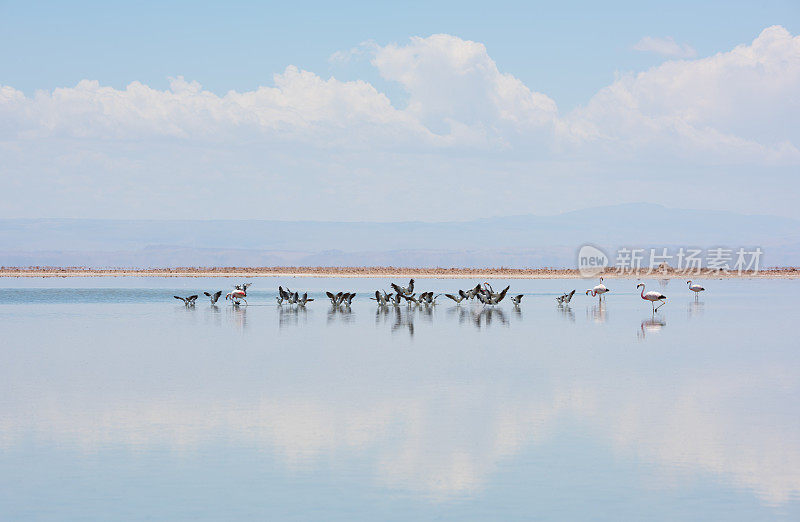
[518, 241]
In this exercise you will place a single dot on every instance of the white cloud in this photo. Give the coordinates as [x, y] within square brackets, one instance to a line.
[301, 106]
[453, 80]
[739, 102]
[687, 424]
[365, 48]
[734, 108]
[665, 47]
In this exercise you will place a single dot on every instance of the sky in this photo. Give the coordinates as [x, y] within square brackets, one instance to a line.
[357, 111]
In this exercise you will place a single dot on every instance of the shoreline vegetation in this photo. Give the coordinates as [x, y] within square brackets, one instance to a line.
[399, 272]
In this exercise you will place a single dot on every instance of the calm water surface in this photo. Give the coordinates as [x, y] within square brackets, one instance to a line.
[117, 402]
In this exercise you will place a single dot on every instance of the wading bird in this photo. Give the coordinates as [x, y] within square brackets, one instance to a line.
[335, 298]
[404, 290]
[410, 299]
[473, 292]
[283, 295]
[187, 301]
[428, 298]
[653, 296]
[380, 298]
[214, 297]
[695, 288]
[304, 299]
[487, 296]
[565, 298]
[496, 298]
[461, 296]
[238, 294]
[517, 299]
[598, 290]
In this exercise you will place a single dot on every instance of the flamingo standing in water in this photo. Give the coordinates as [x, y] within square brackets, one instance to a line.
[653, 296]
[598, 290]
[239, 294]
[695, 288]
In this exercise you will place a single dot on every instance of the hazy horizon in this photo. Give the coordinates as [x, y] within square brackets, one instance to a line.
[465, 219]
[512, 241]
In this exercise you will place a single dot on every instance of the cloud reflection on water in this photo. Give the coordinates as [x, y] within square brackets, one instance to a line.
[439, 416]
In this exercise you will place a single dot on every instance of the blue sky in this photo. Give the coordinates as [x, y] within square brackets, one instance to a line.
[545, 123]
[568, 50]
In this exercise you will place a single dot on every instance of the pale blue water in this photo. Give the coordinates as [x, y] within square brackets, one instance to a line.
[116, 402]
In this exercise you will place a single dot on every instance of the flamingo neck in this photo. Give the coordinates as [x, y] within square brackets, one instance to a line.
[642, 294]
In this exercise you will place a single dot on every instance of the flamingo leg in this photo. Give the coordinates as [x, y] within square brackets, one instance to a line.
[659, 306]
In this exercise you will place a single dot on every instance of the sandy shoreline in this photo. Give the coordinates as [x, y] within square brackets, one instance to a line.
[398, 272]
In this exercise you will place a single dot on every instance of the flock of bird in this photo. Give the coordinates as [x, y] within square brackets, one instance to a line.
[237, 295]
[483, 293]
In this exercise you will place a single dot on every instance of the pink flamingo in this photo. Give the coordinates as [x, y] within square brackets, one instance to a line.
[653, 296]
[695, 288]
[239, 294]
[598, 290]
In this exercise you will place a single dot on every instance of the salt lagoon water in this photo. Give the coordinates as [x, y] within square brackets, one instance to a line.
[117, 402]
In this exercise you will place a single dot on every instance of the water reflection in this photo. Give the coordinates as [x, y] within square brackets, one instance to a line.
[705, 414]
[650, 325]
[403, 320]
[566, 312]
[695, 309]
[292, 315]
[213, 313]
[488, 315]
[598, 312]
[342, 314]
[237, 315]
[481, 317]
